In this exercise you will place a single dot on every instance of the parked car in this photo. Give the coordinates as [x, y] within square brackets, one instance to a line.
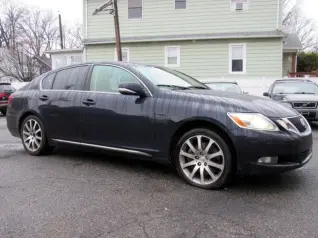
[5, 91]
[225, 86]
[300, 94]
[160, 114]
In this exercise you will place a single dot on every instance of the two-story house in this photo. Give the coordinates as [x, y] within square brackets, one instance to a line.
[229, 39]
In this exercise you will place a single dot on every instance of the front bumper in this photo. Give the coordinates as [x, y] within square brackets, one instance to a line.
[309, 114]
[293, 151]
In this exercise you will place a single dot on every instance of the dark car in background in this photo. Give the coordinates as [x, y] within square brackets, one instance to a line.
[5, 91]
[225, 86]
[300, 94]
[160, 114]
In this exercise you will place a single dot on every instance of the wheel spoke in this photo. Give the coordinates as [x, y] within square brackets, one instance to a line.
[191, 146]
[37, 143]
[207, 148]
[38, 137]
[199, 138]
[215, 165]
[27, 127]
[208, 170]
[34, 125]
[191, 163]
[219, 153]
[28, 138]
[185, 154]
[26, 133]
[38, 131]
[195, 169]
[202, 174]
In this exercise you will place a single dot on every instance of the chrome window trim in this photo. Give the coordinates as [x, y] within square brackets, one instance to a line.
[103, 147]
[61, 90]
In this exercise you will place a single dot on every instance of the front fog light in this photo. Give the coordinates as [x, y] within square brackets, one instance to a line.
[268, 160]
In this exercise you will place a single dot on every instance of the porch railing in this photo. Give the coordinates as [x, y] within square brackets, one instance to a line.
[303, 74]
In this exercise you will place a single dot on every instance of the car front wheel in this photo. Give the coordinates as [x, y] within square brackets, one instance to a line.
[3, 111]
[203, 159]
[33, 136]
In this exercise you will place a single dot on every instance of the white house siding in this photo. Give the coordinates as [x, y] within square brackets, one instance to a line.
[287, 63]
[200, 17]
[207, 59]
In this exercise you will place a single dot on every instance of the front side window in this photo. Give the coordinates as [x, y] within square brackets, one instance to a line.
[71, 79]
[295, 88]
[169, 79]
[134, 9]
[172, 54]
[180, 4]
[108, 78]
[237, 58]
[47, 82]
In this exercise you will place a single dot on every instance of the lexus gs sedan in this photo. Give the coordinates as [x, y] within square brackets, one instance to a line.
[160, 114]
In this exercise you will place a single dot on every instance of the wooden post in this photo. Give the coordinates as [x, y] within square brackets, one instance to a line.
[61, 31]
[294, 66]
[117, 32]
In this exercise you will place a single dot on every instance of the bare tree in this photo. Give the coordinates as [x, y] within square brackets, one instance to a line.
[295, 21]
[73, 36]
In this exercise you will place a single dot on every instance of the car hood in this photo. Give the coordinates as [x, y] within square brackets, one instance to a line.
[296, 97]
[245, 103]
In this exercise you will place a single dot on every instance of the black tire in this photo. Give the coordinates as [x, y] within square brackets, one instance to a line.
[4, 111]
[222, 145]
[44, 147]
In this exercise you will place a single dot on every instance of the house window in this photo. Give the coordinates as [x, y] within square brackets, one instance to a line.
[237, 58]
[124, 53]
[180, 4]
[172, 56]
[134, 9]
[239, 5]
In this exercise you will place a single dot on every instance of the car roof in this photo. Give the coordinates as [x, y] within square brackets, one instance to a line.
[290, 80]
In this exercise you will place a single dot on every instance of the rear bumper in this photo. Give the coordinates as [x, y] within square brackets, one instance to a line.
[293, 151]
[3, 104]
[12, 124]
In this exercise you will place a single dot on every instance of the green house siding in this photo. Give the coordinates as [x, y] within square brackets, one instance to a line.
[200, 17]
[287, 63]
[202, 59]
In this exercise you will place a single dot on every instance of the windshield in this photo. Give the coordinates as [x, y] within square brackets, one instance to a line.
[295, 88]
[227, 87]
[168, 78]
[6, 87]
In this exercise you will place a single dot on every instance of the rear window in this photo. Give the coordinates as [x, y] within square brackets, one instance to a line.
[6, 87]
[71, 79]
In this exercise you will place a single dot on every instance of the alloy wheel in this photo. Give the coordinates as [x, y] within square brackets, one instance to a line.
[202, 160]
[32, 135]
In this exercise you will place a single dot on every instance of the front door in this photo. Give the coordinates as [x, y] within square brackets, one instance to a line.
[115, 120]
[60, 102]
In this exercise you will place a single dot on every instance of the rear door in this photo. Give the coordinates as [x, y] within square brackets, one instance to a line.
[60, 102]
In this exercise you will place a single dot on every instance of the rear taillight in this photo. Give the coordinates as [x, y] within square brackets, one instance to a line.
[2, 95]
[10, 99]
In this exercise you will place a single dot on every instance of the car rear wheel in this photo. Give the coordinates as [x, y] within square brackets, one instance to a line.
[203, 159]
[33, 136]
[3, 111]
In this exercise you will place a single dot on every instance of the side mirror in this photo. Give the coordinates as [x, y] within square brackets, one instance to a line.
[132, 89]
[266, 94]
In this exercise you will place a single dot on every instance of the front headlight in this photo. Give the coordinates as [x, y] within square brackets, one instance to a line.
[253, 121]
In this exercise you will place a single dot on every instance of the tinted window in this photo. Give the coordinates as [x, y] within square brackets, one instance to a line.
[6, 87]
[48, 81]
[71, 79]
[108, 78]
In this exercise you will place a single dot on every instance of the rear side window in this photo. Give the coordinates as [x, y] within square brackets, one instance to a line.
[6, 87]
[47, 82]
[71, 79]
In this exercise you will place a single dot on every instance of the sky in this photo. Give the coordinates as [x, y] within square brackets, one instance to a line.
[71, 10]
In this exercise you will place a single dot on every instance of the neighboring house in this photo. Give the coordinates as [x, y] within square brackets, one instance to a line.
[291, 45]
[208, 39]
[65, 57]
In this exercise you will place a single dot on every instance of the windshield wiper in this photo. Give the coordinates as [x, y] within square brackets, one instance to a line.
[303, 93]
[172, 86]
[196, 87]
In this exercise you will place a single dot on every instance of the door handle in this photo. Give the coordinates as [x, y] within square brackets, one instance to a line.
[89, 102]
[44, 98]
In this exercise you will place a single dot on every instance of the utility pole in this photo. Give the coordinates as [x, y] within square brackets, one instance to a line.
[117, 32]
[114, 12]
[61, 31]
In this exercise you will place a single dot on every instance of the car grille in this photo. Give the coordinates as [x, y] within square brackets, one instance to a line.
[306, 105]
[299, 123]
[309, 115]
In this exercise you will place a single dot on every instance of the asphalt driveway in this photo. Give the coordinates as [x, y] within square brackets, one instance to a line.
[83, 194]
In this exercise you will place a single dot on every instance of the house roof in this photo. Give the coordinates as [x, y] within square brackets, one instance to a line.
[234, 35]
[62, 51]
[292, 42]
